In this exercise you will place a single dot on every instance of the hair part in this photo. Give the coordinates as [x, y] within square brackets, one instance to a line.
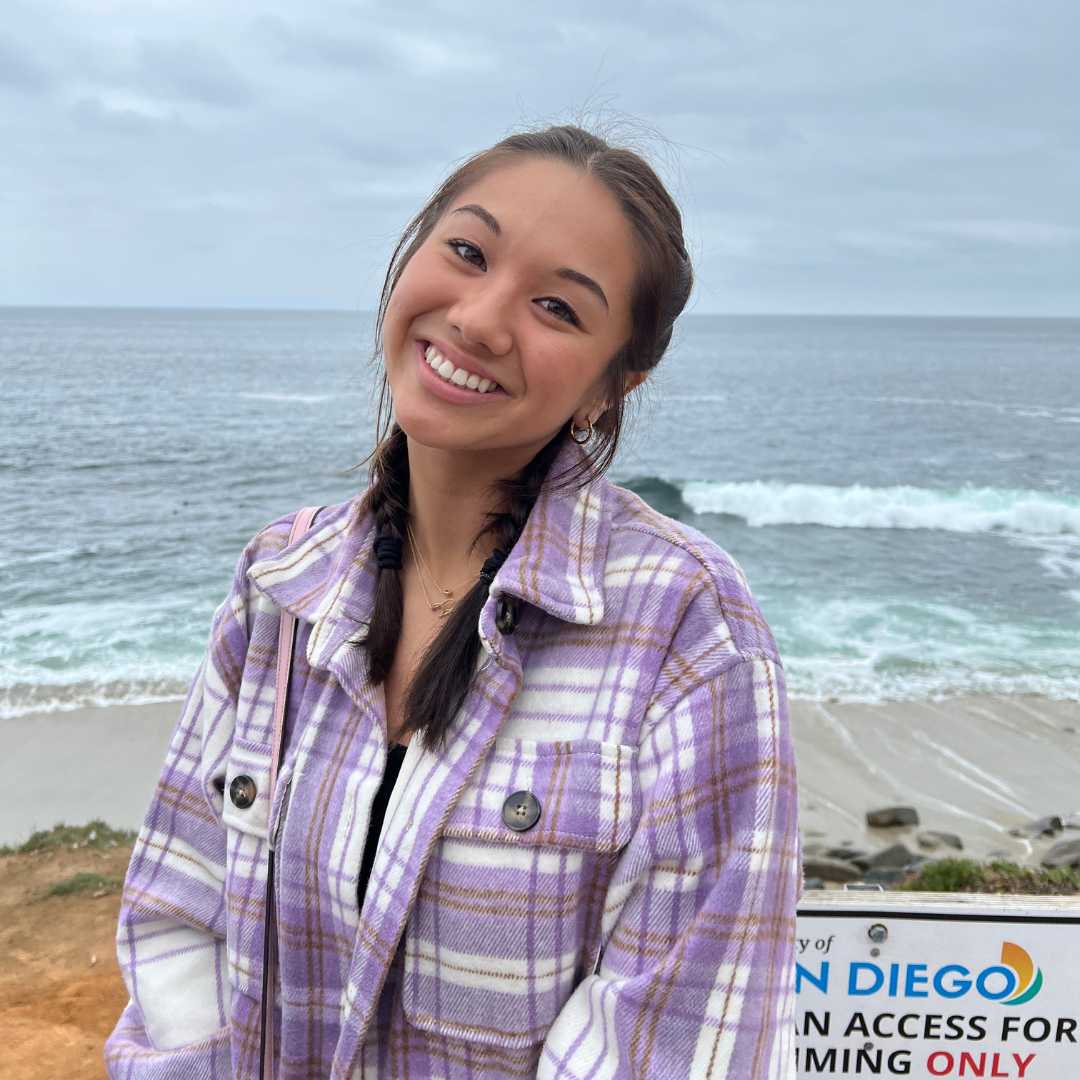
[661, 288]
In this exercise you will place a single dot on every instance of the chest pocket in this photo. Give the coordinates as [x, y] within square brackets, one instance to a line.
[507, 920]
[246, 775]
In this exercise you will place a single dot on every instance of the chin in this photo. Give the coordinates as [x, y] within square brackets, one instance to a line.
[429, 428]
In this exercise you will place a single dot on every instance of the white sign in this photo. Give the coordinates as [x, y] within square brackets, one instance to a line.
[926, 985]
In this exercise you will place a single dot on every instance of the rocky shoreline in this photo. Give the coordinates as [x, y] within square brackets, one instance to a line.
[907, 851]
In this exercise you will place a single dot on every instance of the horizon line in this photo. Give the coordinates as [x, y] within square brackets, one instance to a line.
[283, 310]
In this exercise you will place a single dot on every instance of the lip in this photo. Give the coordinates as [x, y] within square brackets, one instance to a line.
[448, 391]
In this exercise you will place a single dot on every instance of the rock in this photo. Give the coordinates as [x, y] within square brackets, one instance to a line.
[814, 849]
[1063, 853]
[892, 815]
[886, 876]
[844, 853]
[932, 840]
[827, 869]
[1044, 826]
[895, 855]
[812, 883]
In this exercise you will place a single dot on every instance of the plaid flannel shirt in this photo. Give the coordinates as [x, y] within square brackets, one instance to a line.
[643, 928]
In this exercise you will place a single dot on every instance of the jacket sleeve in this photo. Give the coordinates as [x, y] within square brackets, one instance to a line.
[696, 977]
[171, 937]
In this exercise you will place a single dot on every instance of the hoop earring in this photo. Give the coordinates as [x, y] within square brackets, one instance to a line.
[575, 432]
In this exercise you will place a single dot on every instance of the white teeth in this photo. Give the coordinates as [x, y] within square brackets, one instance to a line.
[458, 376]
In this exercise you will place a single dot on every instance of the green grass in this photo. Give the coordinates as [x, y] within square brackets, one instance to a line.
[84, 883]
[95, 835]
[966, 875]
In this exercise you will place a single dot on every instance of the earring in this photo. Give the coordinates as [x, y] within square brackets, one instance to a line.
[575, 433]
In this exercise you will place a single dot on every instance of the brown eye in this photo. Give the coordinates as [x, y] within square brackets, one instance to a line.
[469, 253]
[559, 309]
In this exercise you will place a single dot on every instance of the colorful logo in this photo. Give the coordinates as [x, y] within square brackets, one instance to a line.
[1029, 979]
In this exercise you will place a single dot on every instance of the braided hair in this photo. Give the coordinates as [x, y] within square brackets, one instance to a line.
[661, 290]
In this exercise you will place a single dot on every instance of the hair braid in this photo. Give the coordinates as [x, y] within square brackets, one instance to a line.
[388, 501]
[443, 678]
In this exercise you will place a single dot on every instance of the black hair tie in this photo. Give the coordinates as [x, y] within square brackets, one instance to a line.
[491, 567]
[388, 551]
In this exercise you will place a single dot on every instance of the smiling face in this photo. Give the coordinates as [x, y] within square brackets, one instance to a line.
[502, 324]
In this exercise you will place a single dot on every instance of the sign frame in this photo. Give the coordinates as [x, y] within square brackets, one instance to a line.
[970, 978]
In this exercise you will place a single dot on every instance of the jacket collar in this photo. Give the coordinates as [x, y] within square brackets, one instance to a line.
[558, 562]
[328, 576]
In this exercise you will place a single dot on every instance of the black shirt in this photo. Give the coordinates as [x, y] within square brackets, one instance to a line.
[394, 757]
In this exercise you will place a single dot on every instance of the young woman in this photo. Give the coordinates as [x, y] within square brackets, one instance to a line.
[536, 810]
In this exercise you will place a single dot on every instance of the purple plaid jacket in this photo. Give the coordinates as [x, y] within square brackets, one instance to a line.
[643, 928]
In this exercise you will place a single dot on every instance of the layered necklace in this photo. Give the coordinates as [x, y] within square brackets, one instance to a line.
[446, 605]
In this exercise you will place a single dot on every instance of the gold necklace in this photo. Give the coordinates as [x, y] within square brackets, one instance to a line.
[444, 607]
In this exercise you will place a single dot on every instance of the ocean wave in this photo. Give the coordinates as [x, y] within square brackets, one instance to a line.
[295, 399]
[892, 650]
[969, 510]
[23, 698]
[80, 654]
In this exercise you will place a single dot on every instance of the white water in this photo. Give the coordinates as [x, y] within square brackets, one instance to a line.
[969, 510]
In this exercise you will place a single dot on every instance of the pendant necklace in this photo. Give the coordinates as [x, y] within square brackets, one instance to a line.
[444, 607]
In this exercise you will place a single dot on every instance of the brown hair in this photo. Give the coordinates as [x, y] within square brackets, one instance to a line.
[661, 288]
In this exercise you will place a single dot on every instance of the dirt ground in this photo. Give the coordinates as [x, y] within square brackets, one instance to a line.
[60, 986]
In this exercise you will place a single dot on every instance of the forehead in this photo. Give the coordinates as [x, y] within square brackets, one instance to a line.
[556, 214]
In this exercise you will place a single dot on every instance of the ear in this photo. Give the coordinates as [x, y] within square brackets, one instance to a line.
[631, 381]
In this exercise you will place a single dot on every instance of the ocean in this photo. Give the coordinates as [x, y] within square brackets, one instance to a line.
[902, 493]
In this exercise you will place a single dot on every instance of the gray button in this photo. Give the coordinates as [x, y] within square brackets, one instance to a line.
[505, 616]
[521, 811]
[242, 791]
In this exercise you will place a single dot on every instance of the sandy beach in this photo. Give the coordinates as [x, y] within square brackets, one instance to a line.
[975, 766]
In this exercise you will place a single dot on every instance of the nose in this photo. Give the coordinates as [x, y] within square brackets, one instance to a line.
[482, 317]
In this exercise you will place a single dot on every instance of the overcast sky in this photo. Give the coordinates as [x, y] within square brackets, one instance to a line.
[920, 156]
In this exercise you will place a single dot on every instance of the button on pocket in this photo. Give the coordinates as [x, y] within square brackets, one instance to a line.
[521, 811]
[242, 791]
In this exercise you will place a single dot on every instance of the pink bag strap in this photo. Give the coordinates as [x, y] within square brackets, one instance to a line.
[286, 643]
[286, 637]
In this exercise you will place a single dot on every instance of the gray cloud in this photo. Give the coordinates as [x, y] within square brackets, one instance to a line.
[189, 71]
[834, 156]
[19, 69]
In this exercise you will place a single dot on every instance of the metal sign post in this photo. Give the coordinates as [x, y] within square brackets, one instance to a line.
[938, 984]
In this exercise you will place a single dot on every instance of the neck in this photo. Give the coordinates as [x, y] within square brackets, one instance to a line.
[451, 494]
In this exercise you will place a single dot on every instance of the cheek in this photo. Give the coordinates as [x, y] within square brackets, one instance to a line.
[419, 289]
[563, 374]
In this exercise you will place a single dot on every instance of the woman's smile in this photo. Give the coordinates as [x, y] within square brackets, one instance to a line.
[454, 377]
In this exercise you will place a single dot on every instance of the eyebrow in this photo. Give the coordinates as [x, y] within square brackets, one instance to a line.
[492, 222]
[582, 279]
[488, 218]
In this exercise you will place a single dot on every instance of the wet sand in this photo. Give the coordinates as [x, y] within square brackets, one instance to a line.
[73, 767]
[975, 766]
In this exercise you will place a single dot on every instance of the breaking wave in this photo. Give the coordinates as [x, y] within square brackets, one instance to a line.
[969, 510]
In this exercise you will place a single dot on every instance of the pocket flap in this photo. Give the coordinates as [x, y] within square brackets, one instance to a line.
[248, 760]
[587, 790]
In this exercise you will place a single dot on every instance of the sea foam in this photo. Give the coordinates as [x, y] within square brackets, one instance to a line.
[969, 510]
